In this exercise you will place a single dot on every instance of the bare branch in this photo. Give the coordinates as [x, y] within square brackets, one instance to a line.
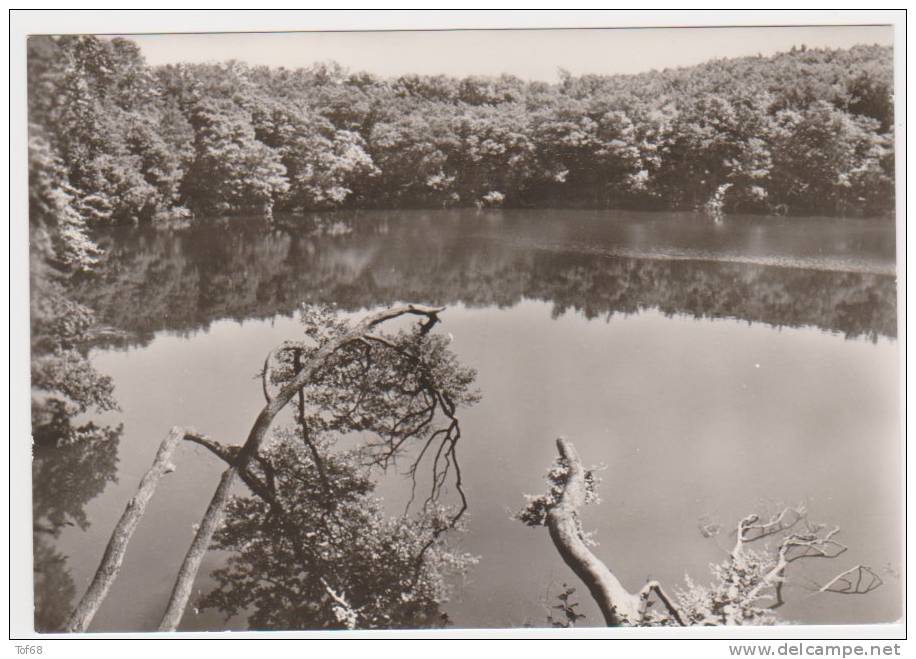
[347, 614]
[381, 339]
[793, 548]
[306, 434]
[750, 529]
[811, 545]
[225, 453]
[857, 580]
[663, 597]
[265, 373]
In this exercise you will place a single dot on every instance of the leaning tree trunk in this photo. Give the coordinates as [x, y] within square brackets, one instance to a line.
[181, 591]
[558, 510]
[238, 458]
[108, 569]
[617, 604]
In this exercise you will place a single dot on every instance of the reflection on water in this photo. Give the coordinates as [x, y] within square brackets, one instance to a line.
[64, 480]
[54, 589]
[710, 381]
[181, 280]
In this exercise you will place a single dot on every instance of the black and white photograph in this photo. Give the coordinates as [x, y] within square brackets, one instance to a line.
[463, 329]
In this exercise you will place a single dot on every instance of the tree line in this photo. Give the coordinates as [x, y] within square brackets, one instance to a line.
[803, 132]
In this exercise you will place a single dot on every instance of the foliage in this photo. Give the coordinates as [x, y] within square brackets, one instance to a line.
[299, 564]
[59, 231]
[79, 175]
[537, 506]
[730, 598]
[824, 154]
[567, 608]
[54, 587]
[136, 142]
[100, 110]
[65, 479]
[64, 383]
[322, 162]
[312, 548]
[231, 170]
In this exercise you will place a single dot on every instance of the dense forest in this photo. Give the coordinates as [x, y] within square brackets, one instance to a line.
[804, 132]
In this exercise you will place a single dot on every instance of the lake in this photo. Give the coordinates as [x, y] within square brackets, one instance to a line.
[716, 368]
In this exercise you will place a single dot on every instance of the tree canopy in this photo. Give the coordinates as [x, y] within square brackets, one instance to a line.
[808, 131]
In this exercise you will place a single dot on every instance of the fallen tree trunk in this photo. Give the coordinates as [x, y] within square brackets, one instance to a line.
[108, 569]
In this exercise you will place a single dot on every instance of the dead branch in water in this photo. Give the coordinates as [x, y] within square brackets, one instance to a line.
[747, 577]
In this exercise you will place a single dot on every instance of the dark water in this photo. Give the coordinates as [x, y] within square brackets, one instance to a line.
[715, 368]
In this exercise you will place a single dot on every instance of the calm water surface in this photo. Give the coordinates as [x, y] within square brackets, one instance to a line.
[715, 369]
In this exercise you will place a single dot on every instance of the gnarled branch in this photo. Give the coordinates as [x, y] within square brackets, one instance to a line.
[618, 606]
[181, 591]
[751, 529]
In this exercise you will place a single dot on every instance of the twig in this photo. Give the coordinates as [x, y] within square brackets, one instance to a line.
[853, 587]
[655, 587]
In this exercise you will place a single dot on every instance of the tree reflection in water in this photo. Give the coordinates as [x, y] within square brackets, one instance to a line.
[64, 480]
[182, 279]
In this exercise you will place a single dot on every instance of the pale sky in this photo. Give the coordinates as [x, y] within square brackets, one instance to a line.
[529, 54]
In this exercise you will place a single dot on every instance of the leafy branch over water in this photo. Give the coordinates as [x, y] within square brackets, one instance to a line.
[301, 561]
[302, 532]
